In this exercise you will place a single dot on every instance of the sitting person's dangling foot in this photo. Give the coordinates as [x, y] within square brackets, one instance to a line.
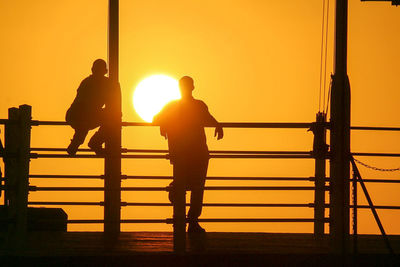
[96, 143]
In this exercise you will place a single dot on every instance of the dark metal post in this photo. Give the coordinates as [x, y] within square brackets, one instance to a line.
[23, 170]
[17, 148]
[179, 218]
[10, 160]
[320, 150]
[355, 213]
[340, 138]
[112, 181]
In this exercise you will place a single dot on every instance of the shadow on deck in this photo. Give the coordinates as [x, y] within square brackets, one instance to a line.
[223, 249]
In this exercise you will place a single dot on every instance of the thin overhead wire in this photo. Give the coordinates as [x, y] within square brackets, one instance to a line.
[326, 49]
[322, 55]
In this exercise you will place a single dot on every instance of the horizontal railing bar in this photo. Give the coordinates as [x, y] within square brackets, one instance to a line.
[231, 188]
[379, 181]
[161, 177]
[85, 221]
[285, 205]
[283, 125]
[375, 128]
[165, 151]
[77, 156]
[169, 221]
[377, 207]
[257, 220]
[34, 188]
[305, 156]
[60, 176]
[52, 123]
[65, 203]
[153, 204]
[248, 152]
[376, 154]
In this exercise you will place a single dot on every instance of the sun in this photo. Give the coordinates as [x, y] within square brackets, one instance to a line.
[153, 93]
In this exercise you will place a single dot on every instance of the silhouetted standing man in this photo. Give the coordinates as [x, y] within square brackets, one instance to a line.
[182, 122]
[87, 112]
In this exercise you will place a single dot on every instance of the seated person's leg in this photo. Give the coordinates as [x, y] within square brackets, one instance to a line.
[77, 140]
[97, 140]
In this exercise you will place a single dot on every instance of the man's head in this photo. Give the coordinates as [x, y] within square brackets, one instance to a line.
[186, 85]
[99, 67]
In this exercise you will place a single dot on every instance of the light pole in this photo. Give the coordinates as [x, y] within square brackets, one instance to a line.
[112, 163]
[340, 138]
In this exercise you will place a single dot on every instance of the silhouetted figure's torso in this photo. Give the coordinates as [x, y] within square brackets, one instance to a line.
[90, 98]
[182, 122]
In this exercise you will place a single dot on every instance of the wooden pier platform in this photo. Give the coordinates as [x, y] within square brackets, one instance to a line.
[223, 249]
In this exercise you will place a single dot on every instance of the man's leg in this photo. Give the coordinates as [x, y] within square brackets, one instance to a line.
[196, 196]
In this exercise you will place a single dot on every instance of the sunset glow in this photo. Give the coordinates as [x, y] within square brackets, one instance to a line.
[153, 93]
[251, 61]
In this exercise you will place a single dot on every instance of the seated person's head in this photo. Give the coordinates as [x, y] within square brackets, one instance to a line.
[99, 67]
[186, 85]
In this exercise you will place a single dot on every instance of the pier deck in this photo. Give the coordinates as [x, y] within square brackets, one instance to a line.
[156, 248]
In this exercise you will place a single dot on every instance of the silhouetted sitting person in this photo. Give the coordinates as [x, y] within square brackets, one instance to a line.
[87, 112]
[182, 123]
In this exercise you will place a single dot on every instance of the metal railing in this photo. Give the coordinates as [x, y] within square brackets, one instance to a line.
[17, 132]
[13, 126]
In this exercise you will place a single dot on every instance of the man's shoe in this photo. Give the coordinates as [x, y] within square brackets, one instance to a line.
[195, 228]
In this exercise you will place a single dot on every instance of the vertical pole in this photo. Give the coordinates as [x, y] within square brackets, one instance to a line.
[10, 162]
[179, 217]
[23, 170]
[340, 138]
[319, 151]
[355, 213]
[17, 146]
[112, 164]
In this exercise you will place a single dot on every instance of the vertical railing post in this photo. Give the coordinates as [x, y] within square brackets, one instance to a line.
[355, 213]
[24, 126]
[17, 148]
[320, 149]
[339, 175]
[112, 168]
[179, 218]
[11, 137]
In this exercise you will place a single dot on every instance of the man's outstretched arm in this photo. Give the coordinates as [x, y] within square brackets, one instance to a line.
[211, 121]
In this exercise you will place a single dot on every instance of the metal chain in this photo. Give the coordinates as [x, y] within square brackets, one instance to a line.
[376, 168]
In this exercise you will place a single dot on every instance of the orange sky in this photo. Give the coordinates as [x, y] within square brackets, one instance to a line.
[251, 60]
